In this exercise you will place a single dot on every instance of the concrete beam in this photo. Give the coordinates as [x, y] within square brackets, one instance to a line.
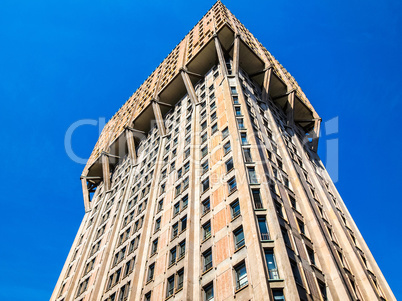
[158, 118]
[106, 171]
[290, 109]
[131, 145]
[265, 85]
[236, 53]
[221, 57]
[189, 86]
[85, 192]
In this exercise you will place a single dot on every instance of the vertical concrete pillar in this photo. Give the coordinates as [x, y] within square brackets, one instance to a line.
[131, 145]
[85, 193]
[221, 57]
[236, 53]
[158, 118]
[106, 171]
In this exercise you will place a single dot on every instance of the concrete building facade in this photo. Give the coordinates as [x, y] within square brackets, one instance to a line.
[206, 185]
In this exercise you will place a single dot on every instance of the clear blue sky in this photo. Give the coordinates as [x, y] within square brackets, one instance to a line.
[61, 61]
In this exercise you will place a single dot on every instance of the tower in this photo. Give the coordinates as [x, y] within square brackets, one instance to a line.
[206, 185]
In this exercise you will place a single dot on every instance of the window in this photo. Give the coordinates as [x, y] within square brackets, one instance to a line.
[239, 238]
[207, 260]
[271, 264]
[213, 116]
[232, 185]
[292, 201]
[311, 256]
[241, 276]
[205, 166]
[206, 206]
[147, 296]
[278, 207]
[129, 266]
[257, 198]
[180, 279]
[151, 270]
[225, 133]
[247, 155]
[154, 246]
[229, 165]
[323, 290]
[209, 292]
[172, 256]
[240, 123]
[301, 227]
[213, 105]
[262, 223]
[237, 111]
[178, 189]
[252, 175]
[227, 148]
[157, 224]
[125, 289]
[233, 90]
[184, 202]
[186, 153]
[285, 236]
[204, 138]
[235, 100]
[278, 295]
[118, 257]
[183, 222]
[176, 209]
[235, 209]
[214, 128]
[244, 138]
[160, 205]
[83, 287]
[296, 272]
[112, 297]
[170, 286]
[203, 125]
[175, 230]
[205, 185]
[182, 248]
[206, 230]
[204, 151]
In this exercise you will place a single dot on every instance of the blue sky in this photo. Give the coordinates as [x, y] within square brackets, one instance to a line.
[62, 61]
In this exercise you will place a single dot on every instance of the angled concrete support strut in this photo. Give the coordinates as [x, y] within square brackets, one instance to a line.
[158, 118]
[189, 86]
[131, 145]
[221, 57]
[106, 171]
[85, 193]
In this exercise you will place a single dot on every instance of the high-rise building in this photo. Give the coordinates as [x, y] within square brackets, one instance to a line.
[206, 185]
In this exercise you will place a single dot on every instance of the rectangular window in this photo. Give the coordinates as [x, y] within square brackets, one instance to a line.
[252, 175]
[227, 147]
[301, 227]
[154, 246]
[271, 264]
[207, 259]
[205, 166]
[175, 230]
[247, 155]
[184, 201]
[160, 205]
[229, 165]
[176, 209]
[206, 206]
[204, 138]
[157, 224]
[206, 229]
[214, 128]
[232, 185]
[183, 222]
[240, 123]
[286, 237]
[235, 209]
[204, 151]
[180, 279]
[209, 292]
[278, 295]
[225, 133]
[203, 125]
[172, 256]
[170, 286]
[241, 276]
[311, 256]
[238, 111]
[244, 138]
[239, 238]
[262, 223]
[296, 272]
[125, 289]
[205, 185]
[178, 189]
[182, 248]
[233, 90]
[213, 116]
[186, 153]
[235, 100]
